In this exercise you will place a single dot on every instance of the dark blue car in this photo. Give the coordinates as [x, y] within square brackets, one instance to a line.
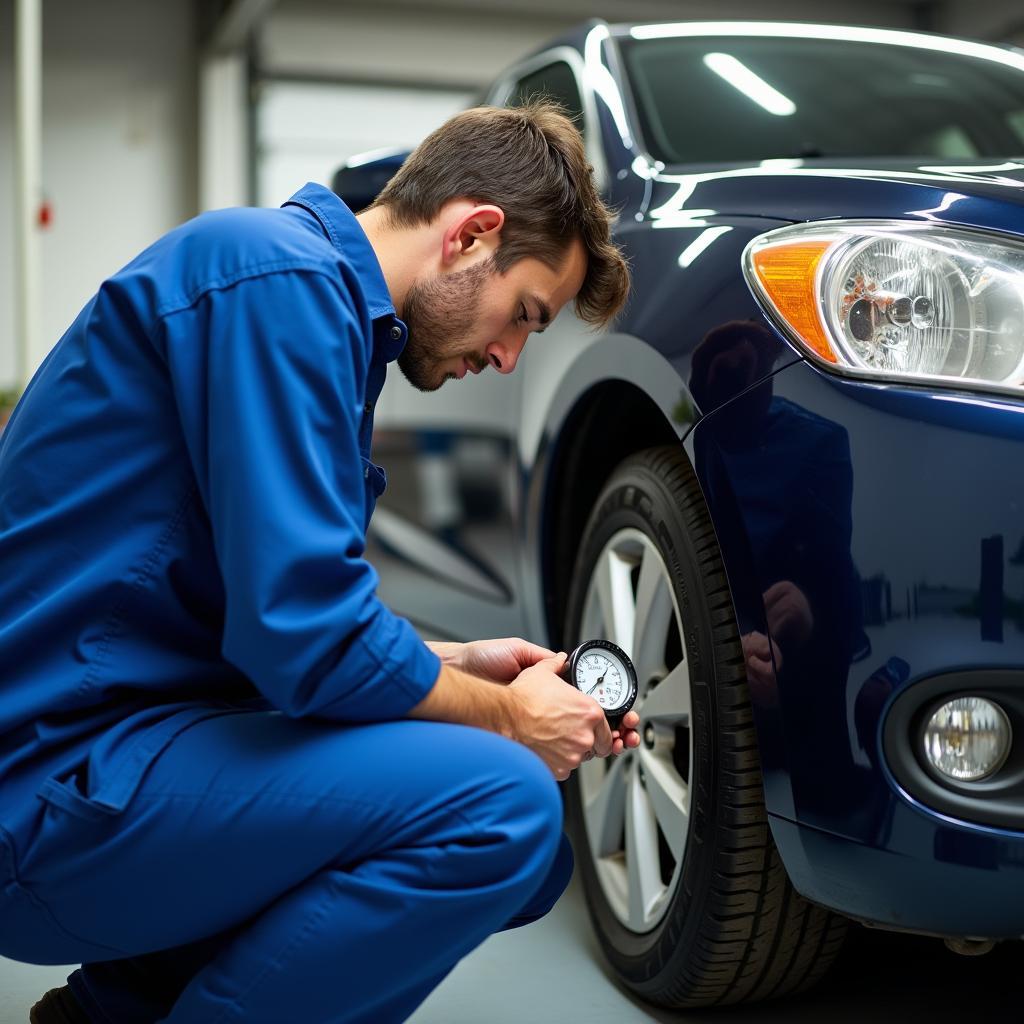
[789, 483]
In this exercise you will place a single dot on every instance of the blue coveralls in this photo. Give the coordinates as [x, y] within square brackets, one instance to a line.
[209, 794]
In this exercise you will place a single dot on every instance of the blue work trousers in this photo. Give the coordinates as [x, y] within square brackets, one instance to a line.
[276, 870]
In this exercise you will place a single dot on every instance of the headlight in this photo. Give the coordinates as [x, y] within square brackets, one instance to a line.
[897, 300]
[967, 739]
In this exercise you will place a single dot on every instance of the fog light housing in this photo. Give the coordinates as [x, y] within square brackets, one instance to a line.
[967, 739]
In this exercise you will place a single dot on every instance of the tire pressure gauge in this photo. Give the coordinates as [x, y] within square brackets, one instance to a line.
[603, 671]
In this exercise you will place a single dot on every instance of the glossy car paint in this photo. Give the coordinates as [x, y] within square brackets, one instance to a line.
[897, 510]
[884, 515]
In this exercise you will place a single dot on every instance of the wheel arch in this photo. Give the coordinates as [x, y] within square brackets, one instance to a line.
[591, 443]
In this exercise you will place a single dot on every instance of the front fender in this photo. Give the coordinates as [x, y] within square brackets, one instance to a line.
[554, 395]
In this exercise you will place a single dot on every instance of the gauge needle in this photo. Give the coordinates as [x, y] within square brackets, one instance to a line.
[597, 684]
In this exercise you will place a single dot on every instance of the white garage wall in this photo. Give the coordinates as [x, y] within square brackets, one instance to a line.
[118, 146]
[387, 44]
[307, 131]
[388, 77]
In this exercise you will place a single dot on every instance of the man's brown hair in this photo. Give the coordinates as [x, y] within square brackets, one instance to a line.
[530, 161]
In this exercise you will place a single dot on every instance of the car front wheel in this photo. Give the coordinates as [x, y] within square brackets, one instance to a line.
[684, 885]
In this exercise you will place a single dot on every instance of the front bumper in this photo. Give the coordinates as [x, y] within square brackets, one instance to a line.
[930, 876]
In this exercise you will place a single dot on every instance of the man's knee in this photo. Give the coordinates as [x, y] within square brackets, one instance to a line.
[517, 814]
[531, 803]
[551, 888]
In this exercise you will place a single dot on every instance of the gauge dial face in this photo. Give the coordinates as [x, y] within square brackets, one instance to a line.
[602, 675]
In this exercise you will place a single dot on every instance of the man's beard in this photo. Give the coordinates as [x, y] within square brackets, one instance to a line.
[439, 314]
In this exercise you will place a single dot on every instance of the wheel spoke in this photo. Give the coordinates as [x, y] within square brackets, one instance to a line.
[615, 592]
[605, 811]
[642, 864]
[669, 796]
[653, 615]
[592, 625]
[669, 701]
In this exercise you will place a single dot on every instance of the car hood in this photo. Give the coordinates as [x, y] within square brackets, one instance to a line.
[986, 193]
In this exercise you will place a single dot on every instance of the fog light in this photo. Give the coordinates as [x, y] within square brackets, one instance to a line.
[967, 739]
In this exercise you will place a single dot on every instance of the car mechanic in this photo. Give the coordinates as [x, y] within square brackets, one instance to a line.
[233, 784]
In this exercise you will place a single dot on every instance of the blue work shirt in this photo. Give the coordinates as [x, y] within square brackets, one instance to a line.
[184, 494]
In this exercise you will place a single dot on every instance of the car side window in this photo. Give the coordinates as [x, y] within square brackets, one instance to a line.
[554, 81]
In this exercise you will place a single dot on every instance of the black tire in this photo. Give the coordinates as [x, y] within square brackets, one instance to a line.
[733, 929]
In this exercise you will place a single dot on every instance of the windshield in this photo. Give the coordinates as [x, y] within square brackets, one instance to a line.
[731, 99]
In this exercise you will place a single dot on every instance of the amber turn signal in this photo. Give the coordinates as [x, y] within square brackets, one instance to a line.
[786, 272]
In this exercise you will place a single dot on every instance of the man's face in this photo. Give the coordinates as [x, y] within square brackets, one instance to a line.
[464, 320]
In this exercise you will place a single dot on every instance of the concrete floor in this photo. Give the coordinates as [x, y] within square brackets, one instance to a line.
[552, 972]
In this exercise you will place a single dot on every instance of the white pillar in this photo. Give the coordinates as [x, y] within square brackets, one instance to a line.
[223, 130]
[28, 64]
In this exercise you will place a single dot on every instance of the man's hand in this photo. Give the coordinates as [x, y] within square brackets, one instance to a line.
[626, 735]
[557, 722]
[499, 661]
[560, 724]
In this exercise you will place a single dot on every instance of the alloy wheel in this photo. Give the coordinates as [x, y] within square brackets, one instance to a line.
[636, 807]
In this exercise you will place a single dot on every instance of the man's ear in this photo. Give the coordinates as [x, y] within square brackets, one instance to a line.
[470, 230]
